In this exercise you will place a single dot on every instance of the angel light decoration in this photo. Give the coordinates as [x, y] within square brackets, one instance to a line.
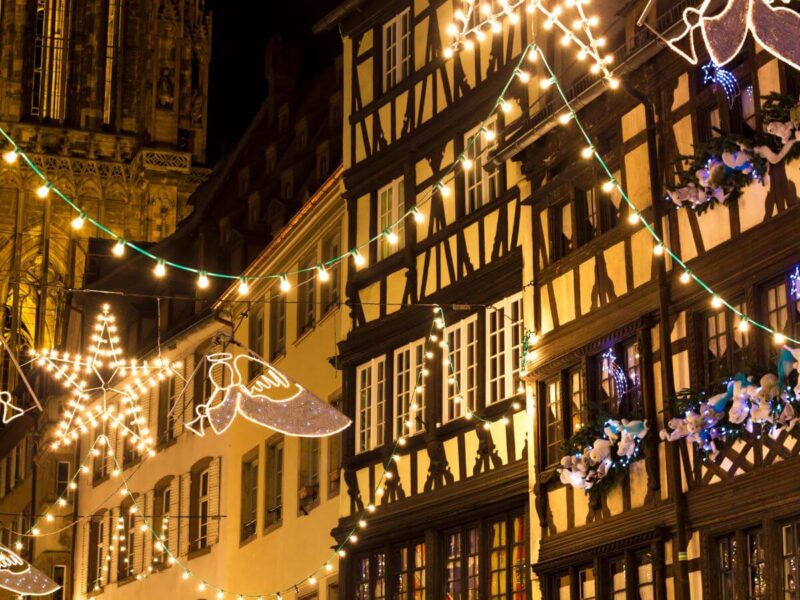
[271, 399]
[19, 576]
[775, 28]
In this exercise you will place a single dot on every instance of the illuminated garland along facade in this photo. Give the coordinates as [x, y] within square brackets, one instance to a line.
[452, 521]
[678, 526]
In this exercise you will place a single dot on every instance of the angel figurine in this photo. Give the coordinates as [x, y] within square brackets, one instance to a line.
[776, 28]
[271, 399]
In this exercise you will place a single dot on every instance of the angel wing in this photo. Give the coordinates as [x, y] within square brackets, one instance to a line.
[20, 577]
[725, 33]
[776, 29]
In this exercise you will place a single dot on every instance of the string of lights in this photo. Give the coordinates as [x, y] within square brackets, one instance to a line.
[635, 217]
[440, 186]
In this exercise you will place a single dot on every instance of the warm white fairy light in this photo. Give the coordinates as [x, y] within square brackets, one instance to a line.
[43, 191]
[160, 269]
[78, 221]
[202, 280]
[285, 286]
[323, 274]
[358, 258]
[119, 248]
[10, 156]
[244, 287]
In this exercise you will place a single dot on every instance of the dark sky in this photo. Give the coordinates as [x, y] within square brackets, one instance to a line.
[241, 29]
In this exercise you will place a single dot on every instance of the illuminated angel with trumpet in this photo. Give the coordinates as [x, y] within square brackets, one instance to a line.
[775, 28]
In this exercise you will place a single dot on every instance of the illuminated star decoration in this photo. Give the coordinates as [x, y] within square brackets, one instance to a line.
[712, 73]
[271, 399]
[620, 378]
[775, 28]
[19, 576]
[93, 405]
[794, 280]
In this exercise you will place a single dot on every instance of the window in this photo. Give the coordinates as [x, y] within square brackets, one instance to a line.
[274, 482]
[126, 535]
[579, 410]
[255, 338]
[308, 475]
[62, 479]
[409, 389]
[708, 122]
[201, 509]
[129, 452]
[508, 560]
[370, 580]
[391, 206]
[306, 292]
[277, 326]
[596, 211]
[644, 582]
[554, 426]
[504, 348]
[48, 79]
[334, 458]
[461, 370]
[462, 564]
[249, 494]
[60, 577]
[725, 344]
[333, 591]
[370, 404]
[747, 105]
[790, 551]
[99, 466]
[396, 49]
[97, 552]
[331, 248]
[253, 209]
[620, 379]
[756, 565]
[113, 25]
[396, 572]
[481, 186]
[408, 571]
[782, 313]
[562, 232]
[726, 556]
[617, 578]
[166, 410]
[20, 462]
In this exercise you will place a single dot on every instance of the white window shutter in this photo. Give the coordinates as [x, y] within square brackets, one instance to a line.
[83, 574]
[214, 477]
[186, 508]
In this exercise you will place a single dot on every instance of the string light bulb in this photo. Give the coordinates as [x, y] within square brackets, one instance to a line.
[160, 269]
[744, 325]
[565, 118]
[466, 163]
[202, 280]
[391, 237]
[587, 152]
[78, 221]
[119, 248]
[285, 286]
[444, 189]
[658, 249]
[43, 191]
[633, 218]
[244, 286]
[322, 273]
[358, 258]
[11, 156]
[418, 216]
[716, 301]
[608, 187]
[779, 338]
[685, 277]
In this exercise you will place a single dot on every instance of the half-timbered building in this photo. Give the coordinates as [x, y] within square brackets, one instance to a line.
[621, 327]
[450, 517]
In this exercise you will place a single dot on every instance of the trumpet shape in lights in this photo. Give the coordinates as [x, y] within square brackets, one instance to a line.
[106, 388]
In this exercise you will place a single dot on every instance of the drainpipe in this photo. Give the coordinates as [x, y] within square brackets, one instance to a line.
[680, 538]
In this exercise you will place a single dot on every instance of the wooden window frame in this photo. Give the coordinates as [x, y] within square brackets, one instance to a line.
[397, 49]
[331, 290]
[277, 326]
[308, 474]
[250, 476]
[409, 361]
[307, 295]
[393, 193]
[481, 187]
[273, 481]
[375, 407]
[465, 370]
[62, 483]
[507, 314]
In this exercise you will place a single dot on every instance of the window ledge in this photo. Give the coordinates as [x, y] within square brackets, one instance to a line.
[302, 335]
[250, 538]
[199, 552]
[272, 527]
[330, 310]
[277, 357]
[126, 580]
[99, 480]
[164, 445]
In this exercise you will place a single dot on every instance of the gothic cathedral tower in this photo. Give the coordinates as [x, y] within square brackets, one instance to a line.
[109, 98]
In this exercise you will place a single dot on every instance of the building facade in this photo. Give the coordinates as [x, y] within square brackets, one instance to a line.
[622, 328]
[439, 391]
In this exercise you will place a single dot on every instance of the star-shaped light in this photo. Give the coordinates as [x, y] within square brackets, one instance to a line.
[93, 379]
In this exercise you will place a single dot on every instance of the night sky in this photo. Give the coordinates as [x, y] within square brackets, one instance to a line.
[241, 29]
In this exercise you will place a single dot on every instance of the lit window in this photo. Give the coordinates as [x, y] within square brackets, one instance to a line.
[201, 505]
[370, 404]
[277, 325]
[391, 204]
[308, 475]
[409, 388]
[481, 186]
[331, 248]
[504, 348]
[396, 49]
[460, 371]
[97, 553]
[306, 292]
[462, 563]
[255, 338]
[553, 421]
[113, 24]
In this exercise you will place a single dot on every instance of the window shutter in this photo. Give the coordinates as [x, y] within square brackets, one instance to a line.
[83, 573]
[146, 403]
[3, 467]
[114, 440]
[174, 511]
[185, 408]
[138, 536]
[213, 502]
[23, 462]
[179, 400]
[186, 508]
[110, 533]
[146, 544]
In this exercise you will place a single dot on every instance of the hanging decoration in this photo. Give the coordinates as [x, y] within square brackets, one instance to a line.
[597, 457]
[477, 20]
[713, 73]
[775, 28]
[271, 399]
[19, 576]
[723, 166]
[94, 405]
[794, 284]
[769, 401]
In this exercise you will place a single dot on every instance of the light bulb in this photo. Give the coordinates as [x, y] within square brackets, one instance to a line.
[10, 157]
[613, 83]
[505, 106]
[524, 76]
[686, 277]
[418, 216]
[466, 163]
[587, 152]
[633, 218]
[444, 190]
[779, 338]
[119, 248]
[496, 27]
[220, 595]
[564, 118]
[533, 55]
[658, 249]
[448, 52]
[322, 273]
[716, 302]
[285, 285]
[160, 269]
[42, 191]
[244, 287]
[743, 324]
[608, 186]
[358, 258]
[185, 575]
[392, 238]
[489, 135]
[452, 29]
[545, 83]
[78, 221]
[202, 280]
